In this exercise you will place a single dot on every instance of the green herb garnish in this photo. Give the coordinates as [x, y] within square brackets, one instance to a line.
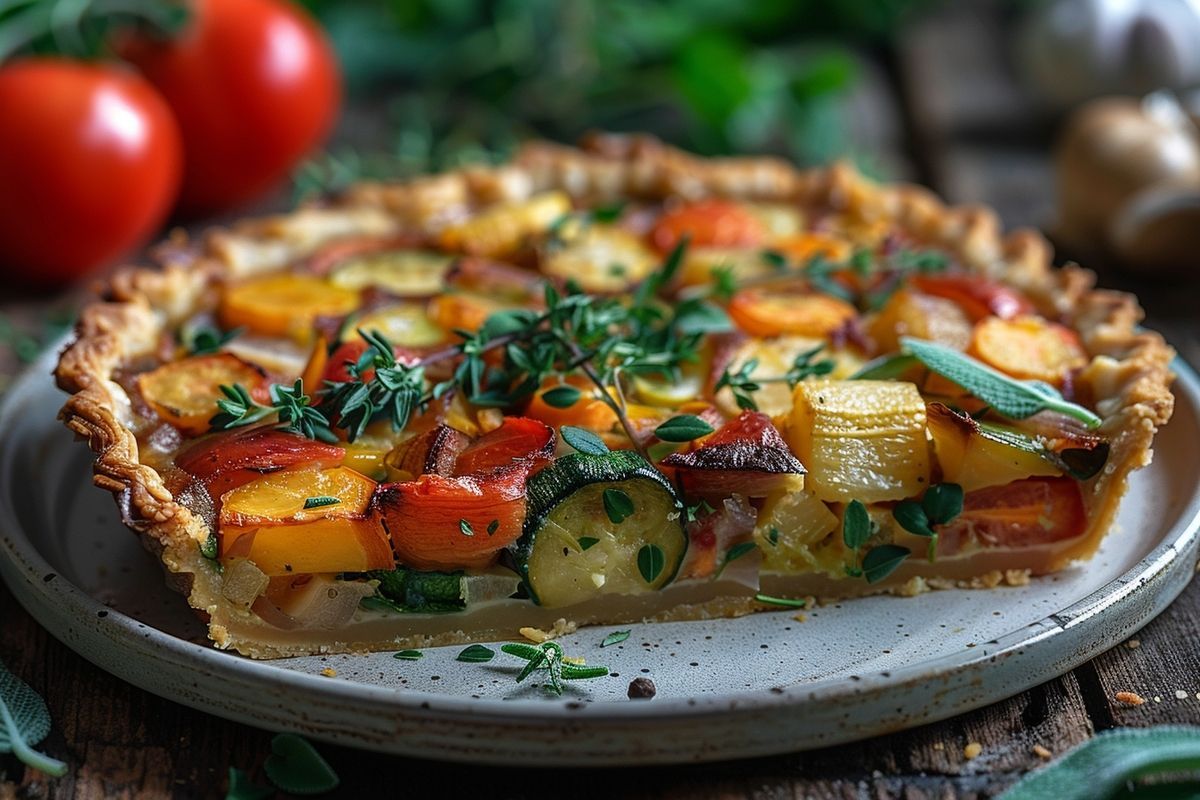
[297, 768]
[683, 428]
[617, 505]
[616, 637]
[321, 501]
[786, 602]
[241, 787]
[292, 406]
[476, 654]
[737, 551]
[587, 541]
[492, 527]
[464, 525]
[881, 561]
[409, 655]
[205, 341]
[549, 656]
[24, 722]
[941, 504]
[1112, 760]
[1007, 396]
[651, 562]
[563, 396]
[583, 440]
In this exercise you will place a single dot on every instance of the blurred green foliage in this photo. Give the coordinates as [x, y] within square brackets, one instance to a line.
[462, 79]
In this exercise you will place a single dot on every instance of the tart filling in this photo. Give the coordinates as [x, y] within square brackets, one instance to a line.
[605, 385]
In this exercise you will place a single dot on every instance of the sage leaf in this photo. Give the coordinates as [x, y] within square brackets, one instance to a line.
[297, 768]
[24, 722]
[1007, 396]
[684, 428]
[563, 396]
[1102, 765]
[881, 561]
[583, 440]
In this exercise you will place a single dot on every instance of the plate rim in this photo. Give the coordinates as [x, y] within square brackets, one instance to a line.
[23, 568]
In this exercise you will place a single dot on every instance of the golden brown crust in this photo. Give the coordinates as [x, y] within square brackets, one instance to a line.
[1129, 376]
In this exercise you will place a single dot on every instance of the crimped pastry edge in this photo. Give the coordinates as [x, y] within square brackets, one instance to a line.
[1129, 376]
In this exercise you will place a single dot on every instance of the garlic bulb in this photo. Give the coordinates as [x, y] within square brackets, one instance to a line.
[1112, 150]
[1074, 50]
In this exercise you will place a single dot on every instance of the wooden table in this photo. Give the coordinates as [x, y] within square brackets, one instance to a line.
[926, 112]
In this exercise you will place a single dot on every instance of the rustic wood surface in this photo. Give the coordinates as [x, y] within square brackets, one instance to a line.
[943, 109]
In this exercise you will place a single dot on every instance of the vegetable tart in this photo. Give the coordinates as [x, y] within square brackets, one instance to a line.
[605, 384]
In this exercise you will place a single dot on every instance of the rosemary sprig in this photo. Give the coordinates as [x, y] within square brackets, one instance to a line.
[549, 656]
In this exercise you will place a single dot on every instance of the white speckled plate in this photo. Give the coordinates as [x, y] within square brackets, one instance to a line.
[726, 689]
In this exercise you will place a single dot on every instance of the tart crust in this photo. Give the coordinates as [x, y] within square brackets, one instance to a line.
[1128, 378]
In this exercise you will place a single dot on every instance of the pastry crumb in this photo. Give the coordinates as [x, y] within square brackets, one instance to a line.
[329, 672]
[561, 627]
[972, 750]
[1157, 699]
[578, 661]
[801, 617]
[939, 746]
[1042, 752]
[1130, 698]
[1016, 577]
[1133, 644]
[1180, 694]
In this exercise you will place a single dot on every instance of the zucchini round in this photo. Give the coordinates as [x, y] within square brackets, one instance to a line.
[596, 525]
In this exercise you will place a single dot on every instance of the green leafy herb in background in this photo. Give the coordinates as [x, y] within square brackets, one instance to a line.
[242, 788]
[24, 722]
[1103, 766]
[463, 81]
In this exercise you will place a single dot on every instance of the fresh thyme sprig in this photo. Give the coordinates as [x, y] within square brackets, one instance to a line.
[293, 407]
[549, 656]
[743, 384]
[394, 389]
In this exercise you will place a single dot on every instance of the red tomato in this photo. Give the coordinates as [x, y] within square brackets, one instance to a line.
[977, 296]
[1023, 513]
[227, 460]
[89, 166]
[708, 223]
[255, 86]
[517, 439]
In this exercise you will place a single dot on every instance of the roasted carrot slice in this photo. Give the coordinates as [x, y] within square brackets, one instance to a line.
[788, 309]
[587, 412]
[284, 305]
[803, 247]
[304, 520]
[708, 223]
[185, 392]
[1028, 347]
[439, 523]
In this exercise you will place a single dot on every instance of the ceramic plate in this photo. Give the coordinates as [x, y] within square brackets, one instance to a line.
[753, 686]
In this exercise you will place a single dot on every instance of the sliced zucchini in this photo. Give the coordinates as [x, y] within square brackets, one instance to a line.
[404, 325]
[408, 273]
[573, 548]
